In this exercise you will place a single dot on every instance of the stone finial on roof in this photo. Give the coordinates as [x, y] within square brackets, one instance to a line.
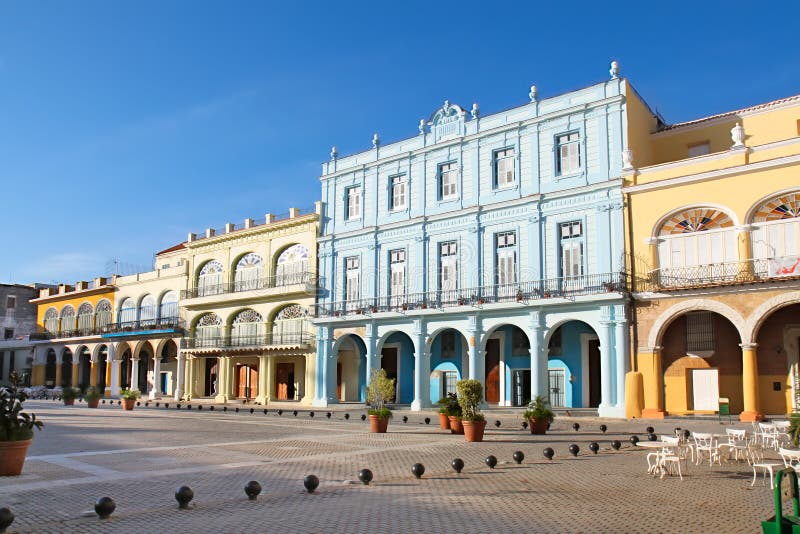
[737, 135]
[614, 70]
[334, 153]
[421, 126]
[475, 110]
[376, 141]
[534, 94]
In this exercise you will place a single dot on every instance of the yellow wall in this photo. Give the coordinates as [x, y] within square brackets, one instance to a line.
[75, 299]
[641, 123]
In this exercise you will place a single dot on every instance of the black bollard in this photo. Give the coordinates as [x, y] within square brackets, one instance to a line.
[166, 405]
[524, 425]
[294, 413]
[252, 410]
[211, 408]
[418, 470]
[224, 408]
[652, 437]
[603, 428]
[328, 414]
[548, 453]
[184, 496]
[237, 409]
[363, 417]
[104, 507]
[311, 482]
[616, 444]
[649, 430]
[158, 404]
[178, 406]
[518, 456]
[457, 465]
[280, 412]
[6, 518]
[576, 426]
[311, 414]
[490, 461]
[266, 411]
[252, 489]
[365, 476]
[138, 403]
[405, 419]
[497, 423]
[574, 450]
[346, 416]
[427, 420]
[199, 407]
[634, 439]
[594, 447]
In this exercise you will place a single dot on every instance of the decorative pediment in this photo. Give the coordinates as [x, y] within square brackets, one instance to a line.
[448, 121]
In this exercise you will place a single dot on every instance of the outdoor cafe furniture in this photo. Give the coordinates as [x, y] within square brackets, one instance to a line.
[705, 444]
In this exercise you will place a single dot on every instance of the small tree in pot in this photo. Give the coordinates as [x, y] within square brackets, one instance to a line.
[69, 394]
[448, 406]
[470, 394]
[92, 397]
[380, 390]
[129, 397]
[16, 428]
[539, 415]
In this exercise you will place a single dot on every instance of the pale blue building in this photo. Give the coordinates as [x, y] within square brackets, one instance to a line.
[488, 247]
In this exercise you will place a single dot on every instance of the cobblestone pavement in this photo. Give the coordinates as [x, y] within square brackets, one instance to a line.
[139, 458]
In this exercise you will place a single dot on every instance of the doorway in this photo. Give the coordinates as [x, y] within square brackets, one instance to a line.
[247, 381]
[594, 373]
[284, 381]
[389, 364]
[210, 380]
[522, 387]
[493, 371]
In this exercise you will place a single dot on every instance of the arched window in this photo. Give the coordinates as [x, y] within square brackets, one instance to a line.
[67, 319]
[102, 314]
[290, 325]
[168, 311]
[247, 328]
[51, 320]
[248, 273]
[209, 281]
[147, 311]
[85, 317]
[292, 266]
[692, 241]
[127, 312]
[776, 235]
[208, 330]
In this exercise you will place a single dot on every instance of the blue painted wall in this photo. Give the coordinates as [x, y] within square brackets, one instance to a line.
[405, 360]
[570, 361]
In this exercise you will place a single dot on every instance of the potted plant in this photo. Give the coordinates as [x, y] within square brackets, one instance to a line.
[539, 415]
[461, 301]
[92, 397]
[454, 414]
[69, 394]
[379, 391]
[129, 397]
[16, 428]
[520, 296]
[470, 394]
[448, 406]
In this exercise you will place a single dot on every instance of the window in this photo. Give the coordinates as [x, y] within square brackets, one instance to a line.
[506, 258]
[568, 150]
[353, 203]
[504, 167]
[397, 268]
[352, 281]
[571, 234]
[11, 303]
[554, 345]
[448, 266]
[397, 194]
[698, 149]
[448, 181]
[699, 331]
[8, 333]
[449, 379]
[448, 344]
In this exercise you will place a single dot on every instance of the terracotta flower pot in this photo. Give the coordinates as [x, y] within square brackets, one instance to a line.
[538, 426]
[473, 430]
[378, 425]
[444, 421]
[69, 402]
[455, 425]
[12, 457]
[92, 403]
[128, 404]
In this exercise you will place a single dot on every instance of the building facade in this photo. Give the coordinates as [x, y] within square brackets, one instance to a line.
[713, 218]
[246, 305]
[17, 322]
[483, 247]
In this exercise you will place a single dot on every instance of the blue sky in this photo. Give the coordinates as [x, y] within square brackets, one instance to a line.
[125, 125]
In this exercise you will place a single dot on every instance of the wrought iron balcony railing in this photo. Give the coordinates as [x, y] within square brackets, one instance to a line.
[522, 292]
[248, 341]
[164, 323]
[283, 280]
[717, 274]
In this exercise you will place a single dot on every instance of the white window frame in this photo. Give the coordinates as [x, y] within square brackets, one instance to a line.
[448, 266]
[397, 192]
[568, 154]
[397, 276]
[698, 149]
[567, 243]
[505, 160]
[448, 190]
[353, 203]
[506, 257]
[352, 278]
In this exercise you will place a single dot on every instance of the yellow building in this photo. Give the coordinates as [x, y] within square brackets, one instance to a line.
[248, 295]
[713, 241]
[68, 348]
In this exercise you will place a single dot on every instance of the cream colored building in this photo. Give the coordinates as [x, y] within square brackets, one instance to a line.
[248, 295]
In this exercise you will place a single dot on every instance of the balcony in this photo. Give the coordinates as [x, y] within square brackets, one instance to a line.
[304, 282]
[720, 274]
[522, 292]
[250, 342]
[116, 329]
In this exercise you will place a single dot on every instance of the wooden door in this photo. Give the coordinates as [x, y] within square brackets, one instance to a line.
[339, 381]
[284, 381]
[594, 373]
[253, 382]
[493, 371]
[246, 381]
[389, 364]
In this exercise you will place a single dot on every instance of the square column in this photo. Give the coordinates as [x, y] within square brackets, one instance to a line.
[422, 369]
[539, 378]
[75, 368]
[606, 357]
[135, 374]
[180, 379]
[112, 371]
[649, 364]
[324, 355]
[58, 371]
[263, 379]
[750, 383]
[155, 391]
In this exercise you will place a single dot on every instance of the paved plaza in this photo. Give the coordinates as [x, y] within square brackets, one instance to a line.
[139, 458]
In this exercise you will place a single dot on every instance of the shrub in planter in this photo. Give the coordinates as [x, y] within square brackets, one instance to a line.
[129, 397]
[69, 395]
[16, 428]
[380, 390]
[539, 415]
[470, 394]
[92, 397]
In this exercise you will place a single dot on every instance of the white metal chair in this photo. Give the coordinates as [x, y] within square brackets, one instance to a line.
[706, 444]
[790, 457]
[755, 457]
[671, 457]
[769, 435]
[737, 443]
